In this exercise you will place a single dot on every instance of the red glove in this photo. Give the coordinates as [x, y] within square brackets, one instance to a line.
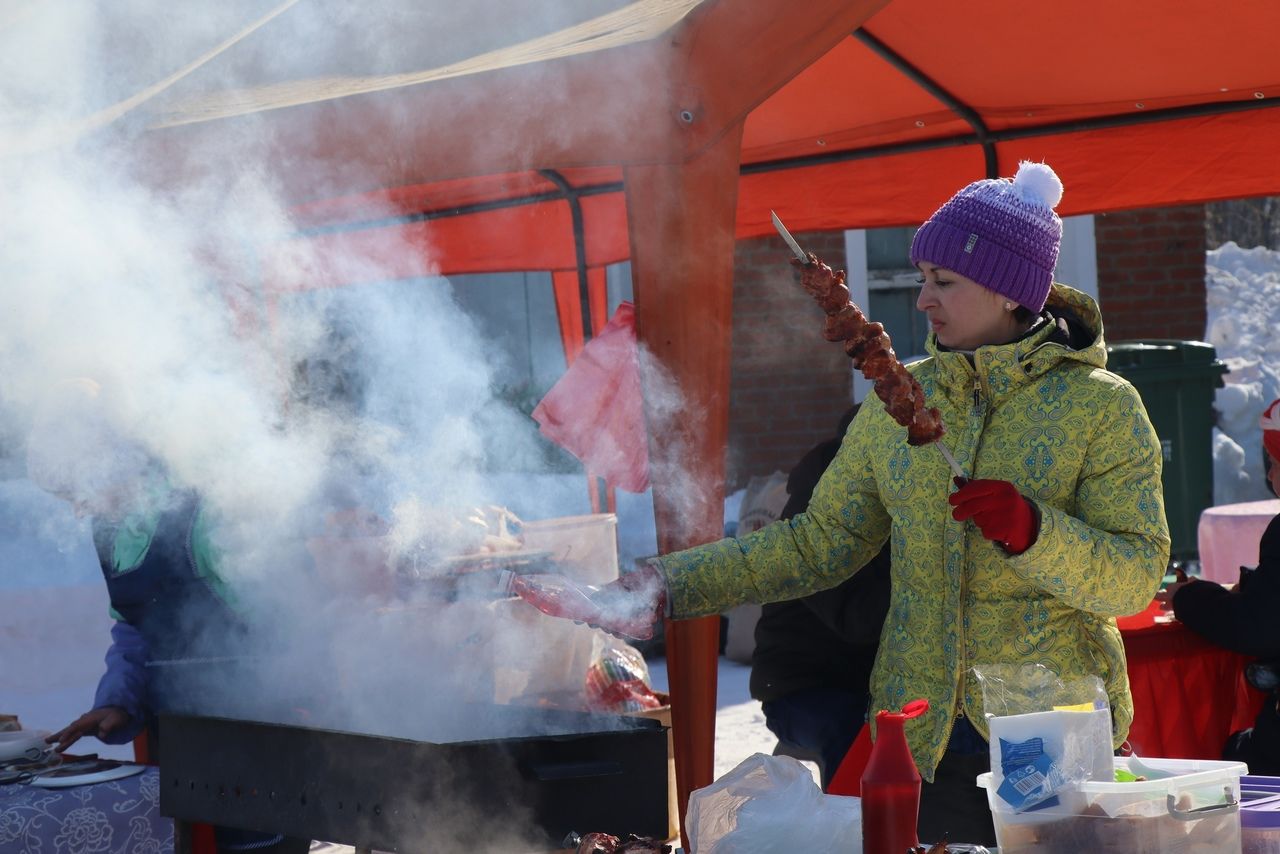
[1000, 512]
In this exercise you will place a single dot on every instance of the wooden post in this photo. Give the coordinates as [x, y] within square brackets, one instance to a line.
[681, 222]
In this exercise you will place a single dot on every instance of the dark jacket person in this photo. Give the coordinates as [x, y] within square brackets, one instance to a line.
[813, 656]
[1243, 620]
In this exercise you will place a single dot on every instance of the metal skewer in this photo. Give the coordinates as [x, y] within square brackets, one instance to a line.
[803, 258]
[801, 255]
[951, 461]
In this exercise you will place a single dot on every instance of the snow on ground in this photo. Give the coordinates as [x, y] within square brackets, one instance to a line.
[740, 728]
[1242, 288]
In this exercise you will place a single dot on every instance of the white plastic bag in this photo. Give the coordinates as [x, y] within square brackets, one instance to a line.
[771, 805]
[1047, 735]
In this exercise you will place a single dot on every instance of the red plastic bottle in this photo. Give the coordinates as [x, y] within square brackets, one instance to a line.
[891, 786]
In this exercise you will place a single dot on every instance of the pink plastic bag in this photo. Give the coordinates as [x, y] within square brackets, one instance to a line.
[596, 412]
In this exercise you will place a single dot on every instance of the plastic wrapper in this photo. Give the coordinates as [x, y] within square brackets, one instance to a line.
[618, 679]
[1047, 735]
[604, 843]
[769, 804]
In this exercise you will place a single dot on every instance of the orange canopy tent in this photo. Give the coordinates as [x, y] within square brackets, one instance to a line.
[664, 130]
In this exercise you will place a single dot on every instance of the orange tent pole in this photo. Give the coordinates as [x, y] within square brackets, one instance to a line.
[681, 221]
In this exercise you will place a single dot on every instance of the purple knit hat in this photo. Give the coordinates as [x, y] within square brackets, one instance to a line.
[1002, 234]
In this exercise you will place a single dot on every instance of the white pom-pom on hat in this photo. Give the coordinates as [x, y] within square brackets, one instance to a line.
[1037, 183]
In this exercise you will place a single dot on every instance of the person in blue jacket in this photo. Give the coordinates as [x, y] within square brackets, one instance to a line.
[155, 547]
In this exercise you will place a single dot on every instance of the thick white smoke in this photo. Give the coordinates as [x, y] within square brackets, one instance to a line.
[283, 410]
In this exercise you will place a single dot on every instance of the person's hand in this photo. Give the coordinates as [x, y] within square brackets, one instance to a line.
[636, 602]
[99, 722]
[1001, 513]
[1165, 596]
[628, 607]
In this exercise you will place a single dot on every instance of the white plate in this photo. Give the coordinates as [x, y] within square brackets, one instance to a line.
[115, 773]
[15, 744]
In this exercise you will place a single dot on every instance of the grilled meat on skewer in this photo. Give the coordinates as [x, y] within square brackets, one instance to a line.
[868, 345]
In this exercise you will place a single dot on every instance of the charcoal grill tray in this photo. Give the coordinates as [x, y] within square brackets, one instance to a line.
[597, 772]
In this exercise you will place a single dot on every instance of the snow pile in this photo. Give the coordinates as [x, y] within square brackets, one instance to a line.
[1242, 289]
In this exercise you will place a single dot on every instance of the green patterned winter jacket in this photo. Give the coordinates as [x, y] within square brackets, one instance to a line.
[1073, 437]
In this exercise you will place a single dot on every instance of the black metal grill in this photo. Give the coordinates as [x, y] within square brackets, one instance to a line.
[584, 772]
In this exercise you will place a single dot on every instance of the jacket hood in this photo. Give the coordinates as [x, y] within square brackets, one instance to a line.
[1079, 313]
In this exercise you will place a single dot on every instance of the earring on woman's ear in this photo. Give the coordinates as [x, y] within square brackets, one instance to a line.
[1008, 306]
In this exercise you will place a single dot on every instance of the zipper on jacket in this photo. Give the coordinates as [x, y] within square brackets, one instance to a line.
[975, 415]
[961, 644]
[946, 742]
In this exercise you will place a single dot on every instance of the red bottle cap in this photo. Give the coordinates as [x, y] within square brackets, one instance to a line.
[914, 709]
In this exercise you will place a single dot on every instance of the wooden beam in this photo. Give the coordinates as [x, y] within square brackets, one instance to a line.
[662, 99]
[681, 221]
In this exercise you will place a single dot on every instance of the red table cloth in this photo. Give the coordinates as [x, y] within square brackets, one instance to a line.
[1188, 695]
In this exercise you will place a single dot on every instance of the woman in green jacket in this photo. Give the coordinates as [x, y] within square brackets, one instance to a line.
[1059, 529]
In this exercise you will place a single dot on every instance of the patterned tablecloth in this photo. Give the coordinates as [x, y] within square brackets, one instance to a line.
[117, 817]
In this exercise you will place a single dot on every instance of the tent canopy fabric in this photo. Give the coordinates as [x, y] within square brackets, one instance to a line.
[848, 122]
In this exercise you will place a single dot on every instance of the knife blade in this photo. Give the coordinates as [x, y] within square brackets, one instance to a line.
[801, 255]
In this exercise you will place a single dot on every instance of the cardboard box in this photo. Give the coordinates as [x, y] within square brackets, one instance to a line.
[662, 714]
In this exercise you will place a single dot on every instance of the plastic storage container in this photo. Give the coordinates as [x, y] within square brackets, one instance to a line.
[1177, 380]
[585, 548]
[1260, 815]
[1196, 810]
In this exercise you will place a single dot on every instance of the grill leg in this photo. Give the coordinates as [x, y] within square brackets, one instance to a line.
[192, 837]
[183, 837]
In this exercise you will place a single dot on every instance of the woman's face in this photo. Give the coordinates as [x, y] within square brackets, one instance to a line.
[962, 313]
[1274, 476]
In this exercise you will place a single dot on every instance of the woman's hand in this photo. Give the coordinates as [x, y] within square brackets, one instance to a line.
[1001, 513]
[99, 722]
[628, 608]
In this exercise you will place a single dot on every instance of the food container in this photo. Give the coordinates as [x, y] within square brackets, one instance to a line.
[533, 653]
[584, 548]
[1195, 810]
[1260, 814]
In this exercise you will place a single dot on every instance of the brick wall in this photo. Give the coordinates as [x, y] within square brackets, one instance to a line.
[1151, 273]
[788, 386]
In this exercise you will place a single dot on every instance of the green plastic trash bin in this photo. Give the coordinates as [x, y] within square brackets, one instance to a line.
[1176, 380]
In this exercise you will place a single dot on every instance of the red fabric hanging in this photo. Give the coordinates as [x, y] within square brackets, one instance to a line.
[595, 411]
